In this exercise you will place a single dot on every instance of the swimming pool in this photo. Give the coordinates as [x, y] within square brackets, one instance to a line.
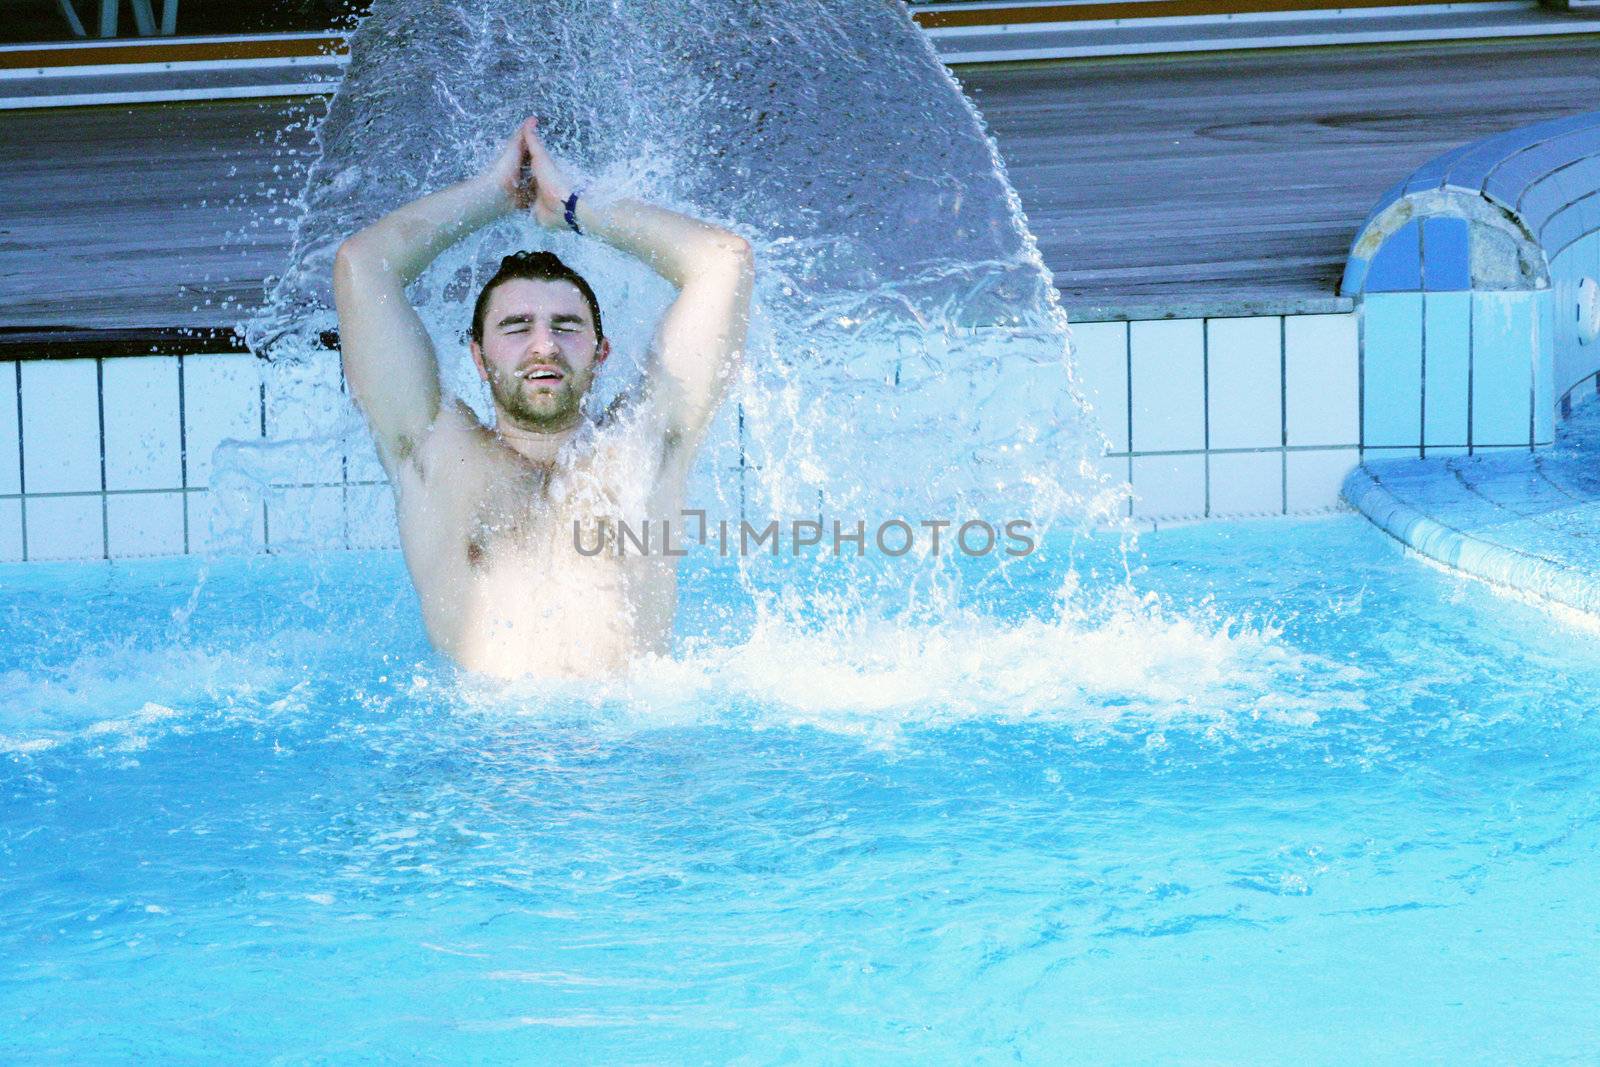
[1278, 808]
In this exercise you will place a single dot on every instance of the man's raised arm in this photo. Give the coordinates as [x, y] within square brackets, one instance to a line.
[389, 360]
[701, 336]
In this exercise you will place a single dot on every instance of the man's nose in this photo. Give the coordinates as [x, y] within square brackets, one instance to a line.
[542, 339]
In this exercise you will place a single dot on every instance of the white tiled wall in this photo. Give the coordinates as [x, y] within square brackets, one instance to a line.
[115, 458]
[10, 530]
[1247, 483]
[1244, 382]
[1167, 385]
[1312, 477]
[10, 437]
[143, 524]
[61, 426]
[1226, 417]
[143, 439]
[222, 401]
[1169, 486]
[1100, 353]
[1322, 373]
[65, 527]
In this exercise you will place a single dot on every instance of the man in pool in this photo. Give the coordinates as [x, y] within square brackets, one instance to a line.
[490, 515]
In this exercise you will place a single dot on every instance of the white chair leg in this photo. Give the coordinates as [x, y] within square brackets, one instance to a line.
[143, 18]
[71, 16]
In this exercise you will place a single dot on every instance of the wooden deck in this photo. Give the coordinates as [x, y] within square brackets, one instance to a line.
[1148, 182]
[1229, 176]
[148, 216]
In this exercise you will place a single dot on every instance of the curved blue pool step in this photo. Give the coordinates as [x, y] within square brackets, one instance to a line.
[1525, 521]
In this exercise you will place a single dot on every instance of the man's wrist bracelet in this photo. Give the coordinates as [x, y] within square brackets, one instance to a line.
[572, 212]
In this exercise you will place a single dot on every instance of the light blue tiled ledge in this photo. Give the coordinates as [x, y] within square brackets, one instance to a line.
[1525, 521]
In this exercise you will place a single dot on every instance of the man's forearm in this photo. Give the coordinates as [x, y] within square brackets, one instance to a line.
[407, 239]
[677, 247]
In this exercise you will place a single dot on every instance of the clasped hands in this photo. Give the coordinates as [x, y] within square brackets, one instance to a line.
[525, 172]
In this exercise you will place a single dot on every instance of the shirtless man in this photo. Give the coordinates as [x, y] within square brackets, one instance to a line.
[487, 513]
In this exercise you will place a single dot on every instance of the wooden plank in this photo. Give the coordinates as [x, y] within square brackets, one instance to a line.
[77, 54]
[1026, 14]
[151, 216]
[1247, 174]
[1147, 180]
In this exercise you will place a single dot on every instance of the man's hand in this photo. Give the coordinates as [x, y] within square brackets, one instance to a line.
[529, 178]
[509, 171]
[551, 186]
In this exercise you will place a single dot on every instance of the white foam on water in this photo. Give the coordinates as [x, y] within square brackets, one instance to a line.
[122, 696]
[1097, 662]
[1133, 663]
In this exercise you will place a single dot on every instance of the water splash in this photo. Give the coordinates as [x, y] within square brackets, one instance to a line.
[1128, 665]
[1131, 666]
[908, 356]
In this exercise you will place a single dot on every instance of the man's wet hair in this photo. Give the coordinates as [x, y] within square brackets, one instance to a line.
[535, 266]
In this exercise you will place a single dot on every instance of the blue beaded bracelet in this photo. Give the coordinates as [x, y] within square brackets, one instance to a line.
[572, 212]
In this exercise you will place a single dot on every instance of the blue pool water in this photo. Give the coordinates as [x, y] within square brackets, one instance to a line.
[1307, 802]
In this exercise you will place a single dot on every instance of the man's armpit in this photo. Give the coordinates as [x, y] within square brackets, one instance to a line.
[447, 445]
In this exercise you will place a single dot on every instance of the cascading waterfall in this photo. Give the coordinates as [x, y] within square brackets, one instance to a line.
[907, 358]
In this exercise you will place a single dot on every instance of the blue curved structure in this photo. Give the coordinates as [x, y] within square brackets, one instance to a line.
[1523, 521]
[1477, 281]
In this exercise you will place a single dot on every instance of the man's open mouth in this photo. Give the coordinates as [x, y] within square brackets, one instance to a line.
[541, 374]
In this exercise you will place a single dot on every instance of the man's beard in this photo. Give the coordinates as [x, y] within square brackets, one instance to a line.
[511, 396]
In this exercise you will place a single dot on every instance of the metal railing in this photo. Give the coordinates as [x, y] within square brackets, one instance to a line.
[144, 18]
[59, 21]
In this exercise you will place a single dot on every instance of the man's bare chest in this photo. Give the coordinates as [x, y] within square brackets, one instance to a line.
[474, 503]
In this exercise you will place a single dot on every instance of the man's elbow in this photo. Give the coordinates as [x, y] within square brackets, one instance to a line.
[737, 256]
[346, 264]
[358, 267]
[739, 250]
[351, 257]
